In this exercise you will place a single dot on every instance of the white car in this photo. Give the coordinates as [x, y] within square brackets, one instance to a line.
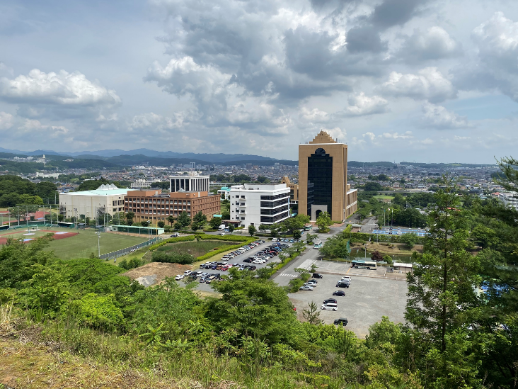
[346, 278]
[187, 272]
[179, 277]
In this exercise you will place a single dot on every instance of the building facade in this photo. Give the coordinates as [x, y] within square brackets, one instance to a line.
[294, 189]
[105, 199]
[190, 183]
[252, 204]
[155, 206]
[323, 179]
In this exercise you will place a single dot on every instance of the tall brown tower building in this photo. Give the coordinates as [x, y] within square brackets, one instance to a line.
[323, 179]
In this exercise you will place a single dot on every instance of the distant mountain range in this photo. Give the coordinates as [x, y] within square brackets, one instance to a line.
[102, 154]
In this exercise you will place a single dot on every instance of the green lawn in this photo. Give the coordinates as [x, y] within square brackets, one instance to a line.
[84, 244]
[196, 249]
[383, 197]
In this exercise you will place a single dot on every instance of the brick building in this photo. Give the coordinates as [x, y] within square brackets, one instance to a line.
[156, 206]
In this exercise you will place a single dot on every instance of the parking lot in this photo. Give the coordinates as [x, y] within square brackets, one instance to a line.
[367, 299]
[238, 260]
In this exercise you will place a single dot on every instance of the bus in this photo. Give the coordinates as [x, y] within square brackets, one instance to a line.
[362, 264]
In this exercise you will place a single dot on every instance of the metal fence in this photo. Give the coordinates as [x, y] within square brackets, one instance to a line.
[120, 253]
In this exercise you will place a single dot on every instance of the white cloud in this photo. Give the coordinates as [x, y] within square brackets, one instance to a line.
[396, 135]
[434, 43]
[314, 115]
[361, 104]
[60, 88]
[437, 116]
[155, 123]
[6, 121]
[497, 41]
[427, 84]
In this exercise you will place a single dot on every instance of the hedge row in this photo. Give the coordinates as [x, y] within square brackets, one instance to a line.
[229, 238]
[382, 238]
[188, 238]
[348, 229]
[282, 264]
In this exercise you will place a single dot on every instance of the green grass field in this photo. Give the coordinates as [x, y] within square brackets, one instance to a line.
[82, 245]
[196, 249]
[383, 197]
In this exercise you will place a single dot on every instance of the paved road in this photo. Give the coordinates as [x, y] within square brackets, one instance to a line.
[283, 277]
[369, 224]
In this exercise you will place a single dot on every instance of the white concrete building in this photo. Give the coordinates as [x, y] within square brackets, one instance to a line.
[191, 182]
[141, 183]
[107, 198]
[254, 204]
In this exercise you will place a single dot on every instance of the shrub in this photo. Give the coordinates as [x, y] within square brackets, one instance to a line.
[183, 259]
[131, 264]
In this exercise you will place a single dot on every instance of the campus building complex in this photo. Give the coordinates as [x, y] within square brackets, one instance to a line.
[155, 206]
[253, 204]
[323, 179]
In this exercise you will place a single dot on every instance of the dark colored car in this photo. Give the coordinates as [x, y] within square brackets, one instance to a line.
[248, 260]
[317, 275]
[330, 301]
[342, 285]
[342, 321]
[339, 293]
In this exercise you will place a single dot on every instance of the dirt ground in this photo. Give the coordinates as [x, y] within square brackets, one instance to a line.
[382, 247]
[158, 269]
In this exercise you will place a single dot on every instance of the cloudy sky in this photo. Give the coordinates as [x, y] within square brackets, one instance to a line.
[403, 80]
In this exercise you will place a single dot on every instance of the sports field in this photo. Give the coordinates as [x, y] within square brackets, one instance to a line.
[383, 197]
[81, 245]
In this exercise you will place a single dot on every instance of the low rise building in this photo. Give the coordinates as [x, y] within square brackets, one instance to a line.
[105, 199]
[294, 189]
[253, 204]
[155, 206]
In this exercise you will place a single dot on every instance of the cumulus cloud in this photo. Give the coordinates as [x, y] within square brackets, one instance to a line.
[60, 88]
[432, 44]
[428, 84]
[437, 116]
[395, 12]
[497, 42]
[396, 135]
[155, 123]
[361, 104]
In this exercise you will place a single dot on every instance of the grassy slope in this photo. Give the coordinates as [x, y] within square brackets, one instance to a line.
[196, 249]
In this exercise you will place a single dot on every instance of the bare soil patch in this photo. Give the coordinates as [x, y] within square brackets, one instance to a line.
[158, 269]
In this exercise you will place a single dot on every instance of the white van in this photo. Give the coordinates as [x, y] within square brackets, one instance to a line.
[329, 307]
[221, 227]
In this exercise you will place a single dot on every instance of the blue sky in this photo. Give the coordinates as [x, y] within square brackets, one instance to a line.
[425, 80]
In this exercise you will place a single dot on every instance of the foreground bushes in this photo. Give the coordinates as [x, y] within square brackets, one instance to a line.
[172, 257]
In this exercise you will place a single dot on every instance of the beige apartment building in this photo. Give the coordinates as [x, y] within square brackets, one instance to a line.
[323, 179]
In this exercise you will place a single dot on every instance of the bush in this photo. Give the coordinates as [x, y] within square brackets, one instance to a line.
[295, 284]
[131, 264]
[182, 259]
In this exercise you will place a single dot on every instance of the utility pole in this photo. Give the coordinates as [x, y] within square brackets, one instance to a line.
[99, 243]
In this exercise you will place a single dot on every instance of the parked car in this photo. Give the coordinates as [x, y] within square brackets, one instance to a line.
[342, 284]
[317, 275]
[346, 278]
[179, 277]
[326, 301]
[329, 307]
[339, 293]
[305, 287]
[187, 272]
[342, 321]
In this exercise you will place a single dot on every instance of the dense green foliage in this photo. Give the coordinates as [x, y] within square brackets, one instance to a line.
[15, 190]
[94, 184]
[172, 257]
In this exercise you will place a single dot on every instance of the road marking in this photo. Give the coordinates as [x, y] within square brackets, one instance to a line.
[288, 275]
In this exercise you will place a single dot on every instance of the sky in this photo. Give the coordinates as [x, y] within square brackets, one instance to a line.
[397, 80]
